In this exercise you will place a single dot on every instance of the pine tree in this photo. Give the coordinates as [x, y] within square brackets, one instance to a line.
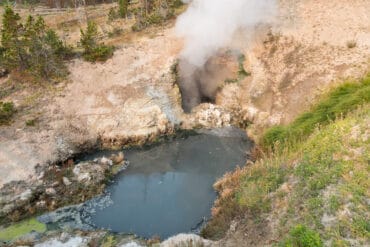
[93, 51]
[14, 53]
[89, 37]
[123, 8]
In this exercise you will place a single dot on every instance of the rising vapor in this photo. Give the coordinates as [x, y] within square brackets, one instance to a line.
[208, 26]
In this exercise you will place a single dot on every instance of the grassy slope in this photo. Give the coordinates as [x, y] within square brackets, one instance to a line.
[338, 102]
[314, 188]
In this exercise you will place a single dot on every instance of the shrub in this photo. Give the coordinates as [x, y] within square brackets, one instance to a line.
[59, 48]
[351, 44]
[301, 236]
[93, 51]
[30, 122]
[99, 54]
[7, 110]
[112, 14]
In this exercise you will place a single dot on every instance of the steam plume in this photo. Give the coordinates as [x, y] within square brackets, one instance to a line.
[208, 26]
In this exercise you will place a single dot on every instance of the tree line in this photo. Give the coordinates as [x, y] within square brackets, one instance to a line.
[61, 3]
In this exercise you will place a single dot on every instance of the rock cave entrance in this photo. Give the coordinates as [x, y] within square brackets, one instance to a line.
[201, 84]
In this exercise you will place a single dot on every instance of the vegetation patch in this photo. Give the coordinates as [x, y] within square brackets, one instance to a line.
[154, 12]
[31, 47]
[338, 102]
[93, 50]
[242, 72]
[311, 190]
[17, 230]
[7, 110]
[302, 236]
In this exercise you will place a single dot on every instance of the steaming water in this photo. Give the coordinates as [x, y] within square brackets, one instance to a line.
[167, 189]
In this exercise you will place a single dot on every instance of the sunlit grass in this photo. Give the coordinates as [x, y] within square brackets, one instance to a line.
[337, 103]
[21, 228]
[320, 172]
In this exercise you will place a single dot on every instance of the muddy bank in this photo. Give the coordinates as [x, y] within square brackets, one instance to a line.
[75, 182]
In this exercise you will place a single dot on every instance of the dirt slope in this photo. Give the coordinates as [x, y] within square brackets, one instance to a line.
[314, 44]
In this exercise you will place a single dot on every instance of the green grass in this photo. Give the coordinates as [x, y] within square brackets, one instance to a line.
[242, 73]
[101, 53]
[325, 160]
[301, 236]
[311, 180]
[338, 102]
[108, 241]
[17, 230]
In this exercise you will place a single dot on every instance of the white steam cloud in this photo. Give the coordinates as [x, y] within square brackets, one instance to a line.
[209, 25]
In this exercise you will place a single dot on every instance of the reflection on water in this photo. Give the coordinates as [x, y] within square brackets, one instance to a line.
[167, 189]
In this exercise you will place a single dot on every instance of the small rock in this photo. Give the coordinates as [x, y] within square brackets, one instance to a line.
[106, 161]
[7, 208]
[66, 181]
[233, 226]
[31, 237]
[117, 159]
[41, 204]
[55, 184]
[131, 244]
[41, 176]
[64, 237]
[3, 72]
[77, 170]
[50, 191]
[26, 195]
[83, 177]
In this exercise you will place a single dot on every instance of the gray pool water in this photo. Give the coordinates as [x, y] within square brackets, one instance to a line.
[167, 189]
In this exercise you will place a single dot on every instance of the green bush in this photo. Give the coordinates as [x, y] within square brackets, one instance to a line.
[93, 51]
[60, 49]
[301, 236]
[339, 102]
[7, 110]
[99, 54]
